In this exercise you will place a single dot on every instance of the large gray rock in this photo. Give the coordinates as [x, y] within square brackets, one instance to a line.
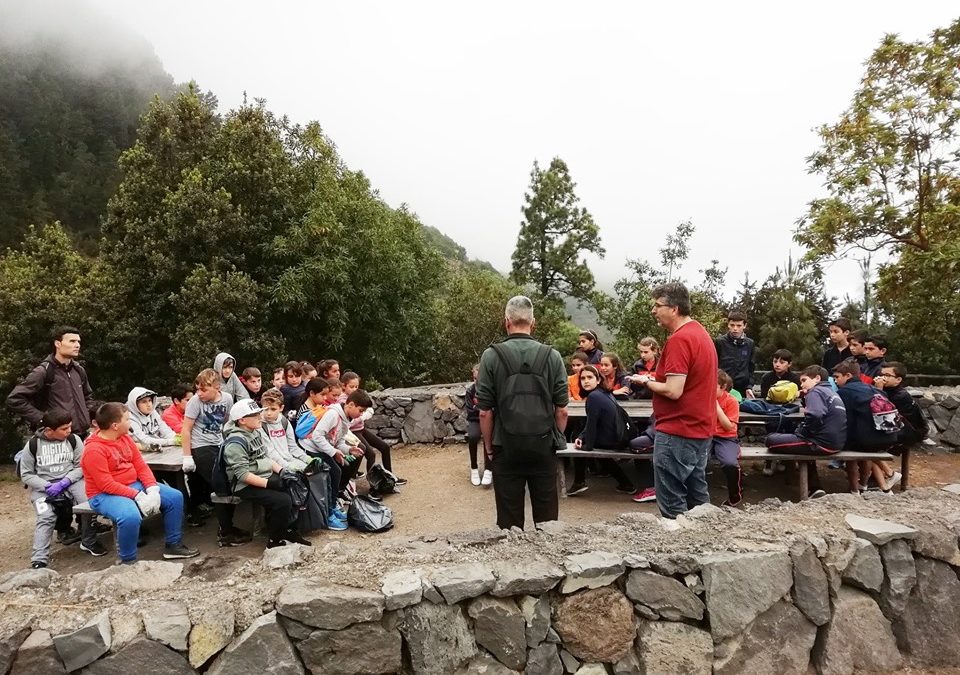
[418, 424]
[262, 648]
[438, 638]
[865, 570]
[167, 622]
[329, 606]
[778, 641]
[38, 655]
[739, 586]
[125, 626]
[544, 660]
[530, 577]
[858, 636]
[290, 555]
[31, 578]
[401, 589]
[570, 662]
[10, 642]
[591, 570]
[361, 648]
[536, 617]
[84, 645]
[838, 556]
[596, 625]
[674, 564]
[668, 597]
[484, 664]
[144, 575]
[628, 665]
[939, 543]
[811, 592]
[669, 647]
[877, 531]
[212, 631]
[461, 582]
[901, 576]
[141, 656]
[499, 628]
[929, 627]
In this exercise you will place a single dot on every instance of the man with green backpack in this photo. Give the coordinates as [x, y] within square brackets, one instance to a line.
[522, 396]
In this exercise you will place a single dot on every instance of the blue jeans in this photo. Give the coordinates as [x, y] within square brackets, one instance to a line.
[126, 517]
[680, 473]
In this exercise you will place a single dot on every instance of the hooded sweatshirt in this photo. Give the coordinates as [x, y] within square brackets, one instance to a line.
[109, 467]
[824, 418]
[281, 444]
[239, 460]
[329, 436]
[861, 432]
[147, 429]
[54, 460]
[232, 386]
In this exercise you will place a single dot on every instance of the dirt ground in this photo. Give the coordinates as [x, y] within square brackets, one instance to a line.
[439, 499]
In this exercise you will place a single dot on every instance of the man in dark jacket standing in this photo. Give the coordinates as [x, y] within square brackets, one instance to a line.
[735, 353]
[58, 382]
[522, 430]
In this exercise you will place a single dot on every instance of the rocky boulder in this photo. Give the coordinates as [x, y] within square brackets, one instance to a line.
[595, 625]
[666, 596]
[141, 656]
[778, 641]
[84, 645]
[499, 628]
[670, 647]
[929, 627]
[811, 591]
[438, 638]
[263, 648]
[329, 606]
[361, 648]
[857, 637]
[740, 586]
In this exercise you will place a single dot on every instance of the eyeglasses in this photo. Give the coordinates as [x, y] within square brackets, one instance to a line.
[658, 305]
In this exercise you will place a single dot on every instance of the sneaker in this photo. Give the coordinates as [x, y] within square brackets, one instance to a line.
[645, 495]
[487, 478]
[863, 487]
[240, 533]
[37, 565]
[126, 562]
[768, 468]
[576, 489]
[181, 550]
[399, 481]
[228, 539]
[733, 505]
[374, 496]
[206, 509]
[816, 494]
[96, 549]
[67, 537]
[359, 475]
[101, 527]
[195, 520]
[625, 489]
[475, 477]
[780, 466]
[335, 523]
[835, 464]
[340, 514]
[295, 537]
[894, 480]
[273, 543]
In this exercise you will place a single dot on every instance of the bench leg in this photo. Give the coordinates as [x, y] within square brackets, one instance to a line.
[904, 468]
[804, 469]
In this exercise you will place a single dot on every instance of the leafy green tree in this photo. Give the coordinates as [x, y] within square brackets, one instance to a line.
[892, 173]
[554, 234]
[677, 248]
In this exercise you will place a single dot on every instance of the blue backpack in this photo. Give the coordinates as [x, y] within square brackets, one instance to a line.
[775, 411]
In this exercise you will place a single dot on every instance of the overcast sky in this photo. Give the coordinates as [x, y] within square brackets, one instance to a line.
[662, 112]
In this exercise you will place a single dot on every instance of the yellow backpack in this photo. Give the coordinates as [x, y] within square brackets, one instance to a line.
[784, 391]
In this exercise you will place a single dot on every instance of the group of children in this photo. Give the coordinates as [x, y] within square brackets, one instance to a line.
[855, 401]
[240, 442]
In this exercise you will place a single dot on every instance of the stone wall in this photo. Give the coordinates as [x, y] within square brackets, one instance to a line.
[777, 588]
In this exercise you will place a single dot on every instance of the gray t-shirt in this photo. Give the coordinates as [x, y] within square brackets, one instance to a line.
[209, 419]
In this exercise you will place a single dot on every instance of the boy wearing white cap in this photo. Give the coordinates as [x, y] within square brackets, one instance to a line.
[255, 477]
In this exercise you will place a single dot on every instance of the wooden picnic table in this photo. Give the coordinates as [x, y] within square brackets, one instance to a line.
[641, 410]
[169, 458]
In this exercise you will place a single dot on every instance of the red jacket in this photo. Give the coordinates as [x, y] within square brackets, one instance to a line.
[111, 466]
[174, 418]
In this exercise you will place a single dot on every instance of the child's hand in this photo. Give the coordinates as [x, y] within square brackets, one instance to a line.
[338, 457]
[577, 443]
[750, 392]
[356, 452]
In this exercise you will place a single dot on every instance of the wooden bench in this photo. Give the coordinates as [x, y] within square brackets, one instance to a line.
[641, 410]
[750, 452]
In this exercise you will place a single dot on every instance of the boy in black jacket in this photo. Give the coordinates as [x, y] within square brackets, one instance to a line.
[890, 382]
[735, 353]
[782, 358]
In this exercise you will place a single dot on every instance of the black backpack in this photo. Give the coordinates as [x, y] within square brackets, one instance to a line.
[525, 405]
[626, 432]
[381, 480]
[34, 442]
[40, 399]
[219, 481]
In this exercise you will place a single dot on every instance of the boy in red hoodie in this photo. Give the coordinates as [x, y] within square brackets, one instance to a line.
[121, 486]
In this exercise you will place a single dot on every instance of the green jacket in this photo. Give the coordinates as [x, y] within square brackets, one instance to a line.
[239, 460]
[493, 377]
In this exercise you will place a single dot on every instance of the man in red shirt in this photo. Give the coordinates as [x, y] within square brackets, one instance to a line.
[121, 486]
[684, 403]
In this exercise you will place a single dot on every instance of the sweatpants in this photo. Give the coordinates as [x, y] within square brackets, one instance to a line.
[126, 517]
[791, 444]
[517, 470]
[372, 440]
[473, 442]
[205, 456]
[46, 521]
[727, 452]
[277, 508]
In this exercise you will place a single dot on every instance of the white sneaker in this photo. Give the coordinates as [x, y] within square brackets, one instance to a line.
[768, 468]
[894, 480]
[488, 478]
[475, 476]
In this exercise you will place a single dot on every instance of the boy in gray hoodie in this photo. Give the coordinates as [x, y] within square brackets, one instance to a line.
[226, 367]
[255, 477]
[146, 425]
[50, 468]
[280, 441]
[328, 439]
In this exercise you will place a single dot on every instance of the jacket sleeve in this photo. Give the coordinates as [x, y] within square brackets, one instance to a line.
[97, 471]
[20, 400]
[141, 436]
[169, 418]
[144, 473]
[167, 435]
[28, 470]
[589, 435]
[76, 473]
[326, 424]
[295, 450]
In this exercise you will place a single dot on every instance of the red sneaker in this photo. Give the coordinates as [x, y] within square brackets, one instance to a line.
[646, 495]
